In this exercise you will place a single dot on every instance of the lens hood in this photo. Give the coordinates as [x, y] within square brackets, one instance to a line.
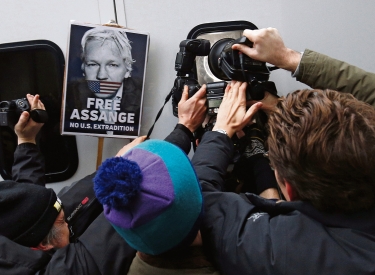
[214, 58]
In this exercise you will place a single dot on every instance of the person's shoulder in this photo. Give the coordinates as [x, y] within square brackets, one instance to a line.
[22, 258]
[135, 82]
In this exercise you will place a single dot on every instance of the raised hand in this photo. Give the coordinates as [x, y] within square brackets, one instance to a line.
[232, 115]
[192, 111]
[268, 46]
[27, 129]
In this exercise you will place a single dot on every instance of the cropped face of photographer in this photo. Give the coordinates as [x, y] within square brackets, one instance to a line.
[58, 236]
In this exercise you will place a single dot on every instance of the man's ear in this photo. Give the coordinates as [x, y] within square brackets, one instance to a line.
[290, 191]
[43, 247]
[127, 74]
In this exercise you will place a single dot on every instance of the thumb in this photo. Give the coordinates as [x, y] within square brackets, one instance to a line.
[185, 94]
[24, 118]
[251, 112]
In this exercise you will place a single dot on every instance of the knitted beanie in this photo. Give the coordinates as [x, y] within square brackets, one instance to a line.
[151, 196]
[27, 212]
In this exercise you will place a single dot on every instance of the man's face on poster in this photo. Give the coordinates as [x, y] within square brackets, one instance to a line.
[104, 62]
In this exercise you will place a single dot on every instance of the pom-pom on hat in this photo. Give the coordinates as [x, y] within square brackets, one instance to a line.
[27, 212]
[151, 196]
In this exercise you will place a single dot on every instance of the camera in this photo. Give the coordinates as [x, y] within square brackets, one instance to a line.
[184, 64]
[10, 112]
[215, 93]
[228, 64]
[225, 64]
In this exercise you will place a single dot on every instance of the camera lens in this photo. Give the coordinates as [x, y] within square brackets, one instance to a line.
[214, 57]
[21, 103]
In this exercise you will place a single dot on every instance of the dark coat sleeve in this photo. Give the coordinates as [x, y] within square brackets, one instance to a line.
[181, 137]
[73, 259]
[231, 239]
[28, 165]
[100, 250]
[109, 250]
[16, 259]
[211, 160]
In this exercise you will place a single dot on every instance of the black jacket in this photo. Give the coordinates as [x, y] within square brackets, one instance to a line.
[28, 167]
[99, 250]
[247, 234]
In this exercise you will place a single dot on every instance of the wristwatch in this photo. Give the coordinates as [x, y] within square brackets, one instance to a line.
[221, 131]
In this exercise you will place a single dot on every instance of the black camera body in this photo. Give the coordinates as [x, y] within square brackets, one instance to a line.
[184, 64]
[215, 93]
[10, 111]
[178, 88]
[226, 64]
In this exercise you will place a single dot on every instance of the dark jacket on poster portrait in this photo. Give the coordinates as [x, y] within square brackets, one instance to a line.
[78, 92]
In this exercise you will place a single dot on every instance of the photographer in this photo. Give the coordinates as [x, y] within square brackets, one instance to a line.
[85, 255]
[321, 147]
[314, 69]
[24, 170]
[31, 215]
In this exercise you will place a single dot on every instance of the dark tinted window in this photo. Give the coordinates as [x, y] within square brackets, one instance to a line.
[37, 67]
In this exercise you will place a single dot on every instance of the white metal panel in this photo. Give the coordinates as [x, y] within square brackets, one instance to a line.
[342, 29]
[43, 19]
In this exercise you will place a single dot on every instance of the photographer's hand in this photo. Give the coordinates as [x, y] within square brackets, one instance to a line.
[192, 111]
[269, 102]
[232, 115]
[268, 46]
[130, 145]
[27, 129]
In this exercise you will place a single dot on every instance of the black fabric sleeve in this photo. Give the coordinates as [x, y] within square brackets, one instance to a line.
[181, 137]
[109, 250]
[73, 259]
[256, 174]
[236, 241]
[28, 165]
[263, 174]
[17, 259]
[211, 160]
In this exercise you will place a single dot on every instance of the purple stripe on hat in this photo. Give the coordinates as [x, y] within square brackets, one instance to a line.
[156, 194]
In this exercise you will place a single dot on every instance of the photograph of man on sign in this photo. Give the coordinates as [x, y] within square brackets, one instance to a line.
[104, 96]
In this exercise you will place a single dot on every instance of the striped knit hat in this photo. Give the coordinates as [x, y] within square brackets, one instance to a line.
[151, 196]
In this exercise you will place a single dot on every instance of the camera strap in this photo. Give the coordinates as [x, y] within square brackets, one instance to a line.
[159, 113]
[191, 136]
